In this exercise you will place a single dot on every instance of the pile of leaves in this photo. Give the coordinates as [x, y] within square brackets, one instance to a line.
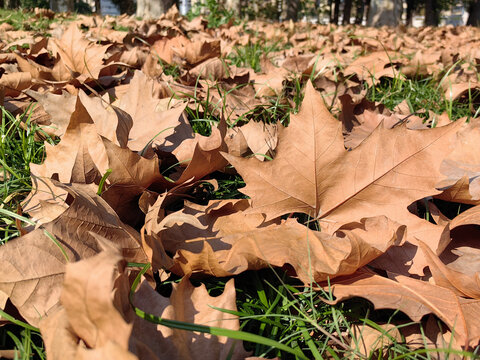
[150, 121]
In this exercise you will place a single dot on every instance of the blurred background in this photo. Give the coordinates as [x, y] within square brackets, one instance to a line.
[340, 12]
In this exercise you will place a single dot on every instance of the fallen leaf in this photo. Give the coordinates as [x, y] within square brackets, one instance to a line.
[237, 241]
[367, 340]
[80, 56]
[335, 185]
[193, 305]
[151, 129]
[35, 290]
[416, 299]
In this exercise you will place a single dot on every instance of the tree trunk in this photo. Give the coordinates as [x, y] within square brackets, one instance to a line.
[125, 6]
[474, 13]
[12, 4]
[330, 11]
[98, 7]
[292, 9]
[385, 12]
[153, 8]
[360, 10]
[62, 5]
[347, 12]
[410, 10]
[336, 12]
[431, 13]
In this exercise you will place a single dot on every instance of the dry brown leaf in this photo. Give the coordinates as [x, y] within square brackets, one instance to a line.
[80, 56]
[461, 169]
[58, 336]
[367, 340]
[80, 156]
[456, 91]
[206, 157]
[236, 242]
[164, 48]
[96, 314]
[361, 119]
[95, 321]
[194, 305]
[14, 83]
[198, 51]
[261, 138]
[434, 335]
[131, 175]
[415, 298]
[152, 129]
[460, 283]
[98, 319]
[59, 107]
[337, 186]
[212, 69]
[35, 290]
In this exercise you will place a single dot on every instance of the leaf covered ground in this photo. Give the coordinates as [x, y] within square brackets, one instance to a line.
[155, 172]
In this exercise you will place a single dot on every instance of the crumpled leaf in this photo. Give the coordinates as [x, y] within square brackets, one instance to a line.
[131, 175]
[35, 290]
[336, 185]
[415, 298]
[152, 129]
[202, 154]
[97, 319]
[237, 241]
[194, 305]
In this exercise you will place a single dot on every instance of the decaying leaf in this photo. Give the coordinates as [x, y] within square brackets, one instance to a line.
[380, 186]
[236, 241]
[415, 298]
[97, 320]
[379, 177]
[35, 290]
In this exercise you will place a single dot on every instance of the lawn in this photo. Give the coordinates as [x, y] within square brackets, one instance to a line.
[212, 188]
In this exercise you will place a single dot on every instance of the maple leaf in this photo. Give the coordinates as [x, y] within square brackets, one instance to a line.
[152, 128]
[225, 240]
[80, 56]
[97, 319]
[35, 290]
[415, 298]
[329, 183]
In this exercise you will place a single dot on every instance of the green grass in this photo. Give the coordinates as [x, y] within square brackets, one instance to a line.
[250, 55]
[18, 148]
[24, 20]
[270, 304]
[422, 94]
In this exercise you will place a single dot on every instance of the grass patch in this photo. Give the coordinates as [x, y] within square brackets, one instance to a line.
[18, 148]
[251, 55]
[25, 20]
[422, 94]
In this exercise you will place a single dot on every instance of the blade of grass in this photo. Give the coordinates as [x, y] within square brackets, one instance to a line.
[217, 331]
